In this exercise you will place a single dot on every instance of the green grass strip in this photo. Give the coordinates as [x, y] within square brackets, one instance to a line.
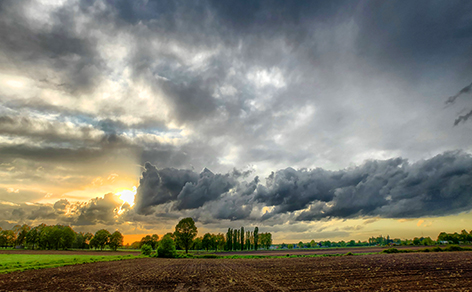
[21, 262]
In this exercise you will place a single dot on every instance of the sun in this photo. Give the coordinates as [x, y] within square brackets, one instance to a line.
[127, 196]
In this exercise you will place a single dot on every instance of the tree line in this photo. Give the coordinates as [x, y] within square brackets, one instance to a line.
[233, 240]
[443, 238]
[463, 237]
[58, 237]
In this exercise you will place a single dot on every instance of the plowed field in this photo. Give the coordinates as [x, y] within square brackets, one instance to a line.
[447, 271]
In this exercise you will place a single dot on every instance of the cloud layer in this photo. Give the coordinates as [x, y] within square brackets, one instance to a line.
[390, 188]
[92, 90]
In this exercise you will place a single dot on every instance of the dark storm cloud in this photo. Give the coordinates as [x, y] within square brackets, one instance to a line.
[390, 188]
[414, 35]
[29, 45]
[396, 189]
[161, 186]
[189, 190]
[463, 118]
[453, 98]
[209, 187]
[43, 212]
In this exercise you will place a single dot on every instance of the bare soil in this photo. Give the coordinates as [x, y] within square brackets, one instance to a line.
[447, 271]
[317, 251]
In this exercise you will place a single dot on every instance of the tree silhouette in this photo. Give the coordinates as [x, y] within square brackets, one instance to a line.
[185, 232]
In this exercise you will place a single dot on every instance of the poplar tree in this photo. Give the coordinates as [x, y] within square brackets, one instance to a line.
[256, 237]
[242, 238]
[235, 239]
[229, 240]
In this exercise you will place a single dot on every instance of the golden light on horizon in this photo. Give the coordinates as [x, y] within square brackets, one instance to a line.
[127, 196]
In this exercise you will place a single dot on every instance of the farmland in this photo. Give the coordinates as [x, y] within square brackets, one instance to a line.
[445, 271]
[20, 262]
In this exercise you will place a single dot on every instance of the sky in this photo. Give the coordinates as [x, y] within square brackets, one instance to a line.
[309, 119]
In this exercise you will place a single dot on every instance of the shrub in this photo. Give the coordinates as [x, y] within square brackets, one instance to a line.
[146, 249]
[453, 248]
[185, 256]
[349, 254]
[391, 250]
[437, 249]
[209, 256]
[166, 248]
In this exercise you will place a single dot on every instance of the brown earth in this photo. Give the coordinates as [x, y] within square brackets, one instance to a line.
[447, 271]
[318, 251]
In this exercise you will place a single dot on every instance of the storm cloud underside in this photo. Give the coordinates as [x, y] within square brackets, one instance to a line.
[390, 188]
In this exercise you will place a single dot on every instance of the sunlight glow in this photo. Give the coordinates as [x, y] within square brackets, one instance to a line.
[14, 83]
[127, 196]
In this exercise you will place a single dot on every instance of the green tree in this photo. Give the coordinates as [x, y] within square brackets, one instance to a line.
[213, 243]
[220, 241]
[416, 241]
[229, 239]
[267, 242]
[146, 249]
[54, 237]
[82, 240]
[116, 240]
[185, 232]
[300, 245]
[166, 247]
[235, 239]
[197, 243]
[21, 232]
[248, 240]
[7, 238]
[312, 243]
[256, 237]
[79, 240]
[44, 231]
[136, 245]
[242, 238]
[152, 240]
[67, 237]
[206, 241]
[427, 241]
[101, 238]
[32, 237]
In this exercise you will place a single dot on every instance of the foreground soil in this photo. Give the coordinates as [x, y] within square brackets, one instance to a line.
[448, 271]
[317, 251]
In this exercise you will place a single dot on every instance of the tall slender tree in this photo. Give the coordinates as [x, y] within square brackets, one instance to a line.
[248, 240]
[235, 239]
[256, 237]
[229, 240]
[242, 238]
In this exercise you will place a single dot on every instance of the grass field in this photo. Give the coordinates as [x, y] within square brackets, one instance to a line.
[20, 262]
